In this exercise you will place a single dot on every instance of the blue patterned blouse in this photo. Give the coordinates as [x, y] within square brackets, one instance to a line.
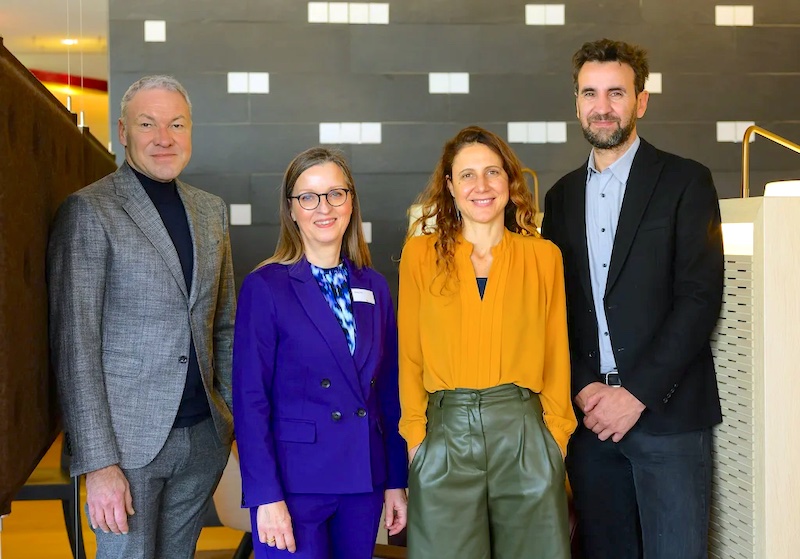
[335, 286]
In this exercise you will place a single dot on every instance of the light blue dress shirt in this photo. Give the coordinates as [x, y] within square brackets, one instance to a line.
[604, 194]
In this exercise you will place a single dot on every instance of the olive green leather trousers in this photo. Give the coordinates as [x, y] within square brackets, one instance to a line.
[488, 480]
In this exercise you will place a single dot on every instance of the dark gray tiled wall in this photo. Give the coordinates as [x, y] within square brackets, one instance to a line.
[379, 73]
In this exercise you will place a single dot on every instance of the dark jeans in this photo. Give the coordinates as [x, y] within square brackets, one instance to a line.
[647, 496]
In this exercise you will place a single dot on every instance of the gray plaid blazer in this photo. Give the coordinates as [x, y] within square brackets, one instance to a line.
[121, 318]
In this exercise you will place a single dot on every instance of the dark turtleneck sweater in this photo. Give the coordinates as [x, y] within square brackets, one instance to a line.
[194, 404]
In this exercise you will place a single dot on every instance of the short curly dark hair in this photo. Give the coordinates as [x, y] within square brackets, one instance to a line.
[606, 50]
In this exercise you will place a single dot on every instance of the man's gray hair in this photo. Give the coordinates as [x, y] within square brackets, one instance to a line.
[153, 82]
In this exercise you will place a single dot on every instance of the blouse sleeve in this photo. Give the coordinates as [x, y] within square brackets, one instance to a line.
[559, 415]
[413, 397]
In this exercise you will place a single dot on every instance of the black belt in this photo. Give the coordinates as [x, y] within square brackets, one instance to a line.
[611, 379]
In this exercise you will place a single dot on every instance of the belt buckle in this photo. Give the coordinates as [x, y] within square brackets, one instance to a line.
[612, 379]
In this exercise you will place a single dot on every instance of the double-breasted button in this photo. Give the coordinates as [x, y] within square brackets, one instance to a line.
[183, 359]
[325, 383]
[361, 412]
[336, 416]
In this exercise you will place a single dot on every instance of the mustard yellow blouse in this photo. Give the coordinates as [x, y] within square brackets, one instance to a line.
[517, 334]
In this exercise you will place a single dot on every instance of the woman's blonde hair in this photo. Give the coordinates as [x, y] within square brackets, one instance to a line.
[439, 212]
[289, 249]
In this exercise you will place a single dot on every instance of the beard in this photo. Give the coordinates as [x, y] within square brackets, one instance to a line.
[604, 139]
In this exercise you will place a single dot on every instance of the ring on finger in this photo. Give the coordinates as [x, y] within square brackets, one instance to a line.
[271, 542]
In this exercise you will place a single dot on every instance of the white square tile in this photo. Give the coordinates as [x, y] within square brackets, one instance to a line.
[726, 131]
[238, 82]
[330, 133]
[359, 12]
[554, 14]
[517, 132]
[366, 228]
[537, 132]
[317, 12]
[259, 82]
[438, 82]
[741, 128]
[370, 132]
[535, 14]
[653, 82]
[241, 214]
[459, 82]
[379, 14]
[338, 12]
[743, 16]
[351, 133]
[724, 15]
[556, 132]
[155, 31]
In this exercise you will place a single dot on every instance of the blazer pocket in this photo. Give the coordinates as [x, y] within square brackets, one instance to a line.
[654, 224]
[295, 431]
[121, 364]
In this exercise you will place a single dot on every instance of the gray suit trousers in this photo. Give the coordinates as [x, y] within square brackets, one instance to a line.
[170, 497]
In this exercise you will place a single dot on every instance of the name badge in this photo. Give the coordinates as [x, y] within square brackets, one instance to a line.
[363, 295]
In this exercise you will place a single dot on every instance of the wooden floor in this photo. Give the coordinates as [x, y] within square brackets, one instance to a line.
[35, 530]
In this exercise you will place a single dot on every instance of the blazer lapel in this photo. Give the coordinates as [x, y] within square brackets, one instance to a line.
[642, 181]
[144, 214]
[199, 225]
[321, 316]
[364, 313]
[575, 210]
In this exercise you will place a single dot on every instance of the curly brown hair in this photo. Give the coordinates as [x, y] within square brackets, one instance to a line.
[439, 214]
[606, 50]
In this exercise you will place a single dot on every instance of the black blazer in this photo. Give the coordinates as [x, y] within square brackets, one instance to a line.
[664, 289]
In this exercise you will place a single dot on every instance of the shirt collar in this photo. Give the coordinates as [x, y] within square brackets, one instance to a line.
[621, 168]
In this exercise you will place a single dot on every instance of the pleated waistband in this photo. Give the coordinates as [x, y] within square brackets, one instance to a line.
[484, 396]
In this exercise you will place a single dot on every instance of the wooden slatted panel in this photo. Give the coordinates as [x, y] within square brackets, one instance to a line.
[732, 530]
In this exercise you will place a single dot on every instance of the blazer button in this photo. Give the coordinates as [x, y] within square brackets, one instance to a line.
[325, 383]
[361, 412]
[336, 416]
[372, 382]
[591, 354]
[183, 359]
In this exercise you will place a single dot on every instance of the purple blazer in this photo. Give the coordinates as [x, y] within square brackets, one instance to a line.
[308, 416]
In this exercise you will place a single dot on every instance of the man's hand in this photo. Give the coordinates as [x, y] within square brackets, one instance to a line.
[108, 496]
[275, 526]
[395, 510]
[611, 412]
[586, 393]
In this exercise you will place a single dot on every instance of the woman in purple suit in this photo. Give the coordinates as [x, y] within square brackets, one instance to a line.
[315, 378]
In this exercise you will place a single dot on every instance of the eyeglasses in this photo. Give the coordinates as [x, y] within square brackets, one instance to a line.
[310, 200]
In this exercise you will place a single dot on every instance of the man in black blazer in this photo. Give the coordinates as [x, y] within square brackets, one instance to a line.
[640, 233]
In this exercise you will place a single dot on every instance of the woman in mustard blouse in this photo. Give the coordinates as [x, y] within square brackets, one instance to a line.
[484, 364]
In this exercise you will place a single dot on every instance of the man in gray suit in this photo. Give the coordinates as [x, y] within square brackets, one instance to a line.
[141, 310]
